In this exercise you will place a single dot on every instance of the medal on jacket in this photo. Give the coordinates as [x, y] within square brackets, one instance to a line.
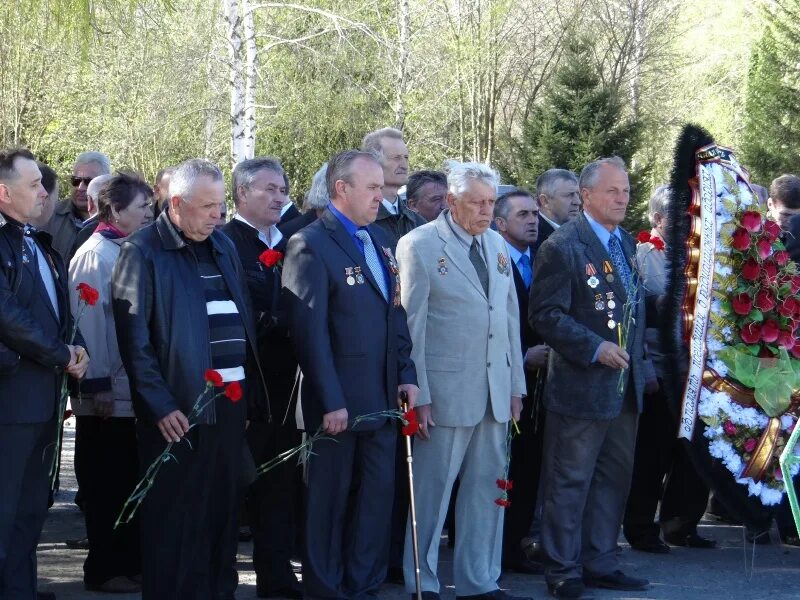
[348, 273]
[442, 266]
[611, 303]
[502, 263]
[387, 252]
[591, 273]
[598, 302]
[608, 269]
[359, 276]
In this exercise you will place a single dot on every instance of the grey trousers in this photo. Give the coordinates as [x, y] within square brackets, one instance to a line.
[587, 473]
[477, 455]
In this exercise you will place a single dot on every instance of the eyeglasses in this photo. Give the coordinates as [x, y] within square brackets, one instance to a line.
[76, 181]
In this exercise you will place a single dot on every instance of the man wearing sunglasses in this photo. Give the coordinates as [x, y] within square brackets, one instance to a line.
[71, 212]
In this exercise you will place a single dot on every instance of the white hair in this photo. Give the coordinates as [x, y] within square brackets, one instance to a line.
[93, 189]
[317, 195]
[187, 173]
[98, 158]
[460, 175]
[658, 203]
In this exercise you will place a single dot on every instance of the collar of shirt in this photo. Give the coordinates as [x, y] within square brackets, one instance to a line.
[274, 233]
[601, 232]
[515, 254]
[286, 207]
[392, 207]
[349, 226]
[552, 223]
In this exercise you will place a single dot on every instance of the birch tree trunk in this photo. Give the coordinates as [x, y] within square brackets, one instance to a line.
[233, 23]
[251, 58]
[404, 30]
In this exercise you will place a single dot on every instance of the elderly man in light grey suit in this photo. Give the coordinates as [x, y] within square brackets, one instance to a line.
[463, 318]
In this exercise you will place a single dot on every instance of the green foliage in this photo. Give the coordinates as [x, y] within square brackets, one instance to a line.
[773, 379]
[771, 141]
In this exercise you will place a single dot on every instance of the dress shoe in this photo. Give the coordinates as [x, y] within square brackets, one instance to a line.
[245, 535]
[115, 585]
[568, 588]
[693, 540]
[426, 596]
[78, 544]
[790, 540]
[290, 590]
[617, 581]
[652, 545]
[45, 596]
[493, 595]
[532, 550]
[524, 566]
[395, 575]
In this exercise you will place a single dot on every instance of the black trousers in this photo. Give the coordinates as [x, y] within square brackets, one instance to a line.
[25, 455]
[347, 535]
[659, 454]
[106, 451]
[190, 517]
[526, 464]
[272, 503]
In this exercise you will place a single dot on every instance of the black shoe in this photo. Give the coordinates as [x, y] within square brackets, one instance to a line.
[524, 566]
[395, 575]
[77, 544]
[533, 551]
[45, 596]
[290, 590]
[245, 535]
[653, 545]
[693, 540]
[790, 540]
[493, 595]
[568, 588]
[617, 581]
[426, 596]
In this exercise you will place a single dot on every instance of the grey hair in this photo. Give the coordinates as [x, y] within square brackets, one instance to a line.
[658, 203]
[187, 173]
[317, 195]
[340, 167]
[373, 141]
[459, 176]
[547, 181]
[244, 173]
[93, 189]
[85, 158]
[590, 172]
[501, 205]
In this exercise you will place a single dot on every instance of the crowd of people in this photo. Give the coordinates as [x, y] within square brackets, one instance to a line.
[498, 319]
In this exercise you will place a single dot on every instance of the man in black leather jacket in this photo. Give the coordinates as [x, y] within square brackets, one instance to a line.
[35, 320]
[181, 306]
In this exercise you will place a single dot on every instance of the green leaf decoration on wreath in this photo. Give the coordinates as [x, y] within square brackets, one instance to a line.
[773, 379]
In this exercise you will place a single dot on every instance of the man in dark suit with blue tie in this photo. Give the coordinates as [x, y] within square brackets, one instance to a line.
[350, 334]
[585, 275]
[516, 216]
[34, 325]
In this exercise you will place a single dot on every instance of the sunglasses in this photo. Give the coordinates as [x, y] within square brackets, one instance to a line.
[76, 181]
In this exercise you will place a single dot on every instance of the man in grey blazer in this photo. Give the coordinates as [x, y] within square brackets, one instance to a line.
[584, 276]
[463, 317]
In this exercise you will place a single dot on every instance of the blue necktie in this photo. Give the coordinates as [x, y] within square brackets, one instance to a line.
[524, 265]
[373, 262]
[620, 264]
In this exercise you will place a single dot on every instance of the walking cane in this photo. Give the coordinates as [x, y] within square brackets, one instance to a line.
[410, 461]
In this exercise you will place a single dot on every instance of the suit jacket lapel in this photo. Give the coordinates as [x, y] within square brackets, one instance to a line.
[597, 254]
[458, 256]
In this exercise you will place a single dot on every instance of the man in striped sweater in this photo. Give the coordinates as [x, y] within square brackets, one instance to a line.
[181, 306]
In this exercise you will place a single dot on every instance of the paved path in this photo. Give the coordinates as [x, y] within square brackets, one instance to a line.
[685, 574]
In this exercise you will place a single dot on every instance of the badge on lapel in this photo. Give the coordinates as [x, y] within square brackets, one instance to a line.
[608, 269]
[348, 273]
[442, 266]
[502, 264]
[592, 280]
[396, 272]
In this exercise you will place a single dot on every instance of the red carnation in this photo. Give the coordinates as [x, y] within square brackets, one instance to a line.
[750, 270]
[751, 332]
[657, 242]
[213, 377]
[770, 331]
[234, 391]
[503, 502]
[741, 240]
[751, 220]
[795, 282]
[781, 257]
[269, 257]
[788, 307]
[771, 230]
[643, 237]
[749, 444]
[770, 270]
[764, 248]
[742, 304]
[729, 428]
[764, 300]
[786, 339]
[411, 425]
[505, 484]
[87, 293]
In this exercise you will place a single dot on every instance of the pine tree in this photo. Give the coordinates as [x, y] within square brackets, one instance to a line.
[578, 121]
[771, 137]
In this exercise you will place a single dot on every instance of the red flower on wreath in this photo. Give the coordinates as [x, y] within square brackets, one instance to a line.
[781, 257]
[269, 257]
[88, 294]
[750, 444]
[234, 391]
[788, 307]
[750, 270]
[411, 424]
[771, 230]
[213, 377]
[729, 428]
[770, 331]
[740, 240]
[764, 247]
[786, 339]
[742, 304]
[751, 221]
[765, 300]
[750, 333]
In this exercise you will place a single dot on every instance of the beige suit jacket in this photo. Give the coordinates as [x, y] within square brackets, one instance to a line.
[465, 345]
